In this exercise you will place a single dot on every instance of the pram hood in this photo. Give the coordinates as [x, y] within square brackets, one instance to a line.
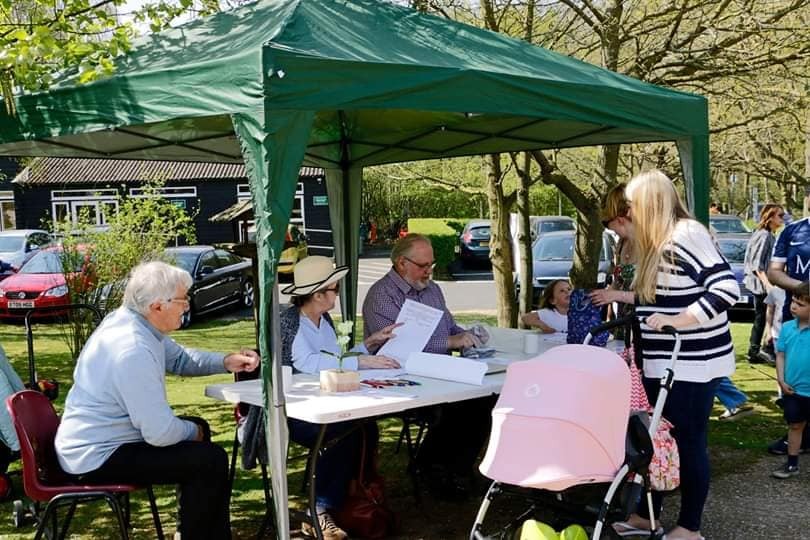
[561, 420]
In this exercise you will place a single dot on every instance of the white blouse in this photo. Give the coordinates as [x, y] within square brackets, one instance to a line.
[311, 340]
[553, 319]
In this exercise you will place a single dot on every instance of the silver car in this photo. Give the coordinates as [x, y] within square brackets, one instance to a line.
[17, 246]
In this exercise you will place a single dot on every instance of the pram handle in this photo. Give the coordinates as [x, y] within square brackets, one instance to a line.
[610, 325]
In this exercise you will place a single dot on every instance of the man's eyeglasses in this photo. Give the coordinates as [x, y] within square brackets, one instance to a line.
[422, 266]
[182, 299]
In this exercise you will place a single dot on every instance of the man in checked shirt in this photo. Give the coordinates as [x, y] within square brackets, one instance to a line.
[457, 431]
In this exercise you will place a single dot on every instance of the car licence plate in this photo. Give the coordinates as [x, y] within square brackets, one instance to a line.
[483, 244]
[744, 299]
[20, 304]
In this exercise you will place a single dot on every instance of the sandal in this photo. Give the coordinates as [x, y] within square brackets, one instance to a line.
[623, 528]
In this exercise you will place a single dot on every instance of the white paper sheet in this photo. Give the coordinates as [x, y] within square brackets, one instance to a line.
[446, 367]
[420, 321]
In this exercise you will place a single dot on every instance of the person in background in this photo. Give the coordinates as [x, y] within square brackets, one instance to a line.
[118, 427]
[552, 316]
[790, 270]
[683, 281]
[793, 374]
[757, 259]
[457, 431]
[307, 331]
[714, 209]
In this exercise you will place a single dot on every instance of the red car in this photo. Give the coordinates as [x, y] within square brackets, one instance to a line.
[39, 283]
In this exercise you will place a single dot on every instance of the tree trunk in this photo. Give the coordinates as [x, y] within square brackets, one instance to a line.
[524, 238]
[806, 194]
[500, 243]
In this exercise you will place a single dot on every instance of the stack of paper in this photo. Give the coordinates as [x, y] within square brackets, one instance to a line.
[446, 367]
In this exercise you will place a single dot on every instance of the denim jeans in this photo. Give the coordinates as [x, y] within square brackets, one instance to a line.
[758, 327]
[729, 395]
[688, 407]
[339, 463]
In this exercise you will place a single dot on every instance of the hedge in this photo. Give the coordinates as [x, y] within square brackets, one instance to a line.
[443, 234]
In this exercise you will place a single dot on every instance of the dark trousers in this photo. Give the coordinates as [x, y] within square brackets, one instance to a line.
[758, 328]
[456, 435]
[688, 408]
[339, 463]
[200, 471]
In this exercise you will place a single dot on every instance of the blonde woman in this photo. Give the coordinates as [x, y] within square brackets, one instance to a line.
[683, 281]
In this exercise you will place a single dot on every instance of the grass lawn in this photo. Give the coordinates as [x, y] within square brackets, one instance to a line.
[743, 439]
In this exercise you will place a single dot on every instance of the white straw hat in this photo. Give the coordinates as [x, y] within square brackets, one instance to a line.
[314, 273]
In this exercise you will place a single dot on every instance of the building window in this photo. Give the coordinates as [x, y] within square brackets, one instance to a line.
[8, 218]
[172, 192]
[242, 192]
[296, 216]
[97, 206]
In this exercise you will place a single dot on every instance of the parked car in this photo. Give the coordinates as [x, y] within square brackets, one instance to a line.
[541, 225]
[732, 246]
[295, 249]
[221, 279]
[553, 255]
[727, 224]
[39, 283]
[18, 246]
[473, 242]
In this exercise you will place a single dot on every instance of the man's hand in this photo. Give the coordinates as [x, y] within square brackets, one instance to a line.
[462, 341]
[378, 361]
[244, 360]
[381, 336]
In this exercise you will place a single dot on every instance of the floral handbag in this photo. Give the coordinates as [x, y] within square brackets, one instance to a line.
[665, 466]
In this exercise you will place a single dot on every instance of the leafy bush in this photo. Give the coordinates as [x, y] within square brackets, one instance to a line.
[96, 262]
[443, 234]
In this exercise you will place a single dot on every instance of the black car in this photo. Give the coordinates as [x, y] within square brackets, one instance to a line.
[732, 246]
[553, 257]
[473, 242]
[220, 279]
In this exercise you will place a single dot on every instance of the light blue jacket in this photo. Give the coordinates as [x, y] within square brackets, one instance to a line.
[119, 391]
[10, 383]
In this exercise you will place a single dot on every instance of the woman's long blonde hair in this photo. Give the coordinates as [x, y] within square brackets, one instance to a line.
[655, 209]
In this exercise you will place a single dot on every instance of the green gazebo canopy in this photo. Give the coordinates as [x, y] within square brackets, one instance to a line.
[343, 84]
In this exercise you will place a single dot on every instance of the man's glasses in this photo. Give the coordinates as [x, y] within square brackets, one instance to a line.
[182, 300]
[422, 266]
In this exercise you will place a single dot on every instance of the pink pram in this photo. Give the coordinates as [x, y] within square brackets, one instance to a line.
[560, 425]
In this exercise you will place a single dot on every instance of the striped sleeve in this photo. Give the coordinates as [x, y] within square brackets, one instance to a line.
[697, 256]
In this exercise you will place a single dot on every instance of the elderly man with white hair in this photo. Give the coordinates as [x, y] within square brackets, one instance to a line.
[118, 426]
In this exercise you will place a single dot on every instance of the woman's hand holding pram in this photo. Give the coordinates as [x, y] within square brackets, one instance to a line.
[657, 321]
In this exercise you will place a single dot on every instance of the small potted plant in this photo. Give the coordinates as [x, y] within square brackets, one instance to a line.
[340, 380]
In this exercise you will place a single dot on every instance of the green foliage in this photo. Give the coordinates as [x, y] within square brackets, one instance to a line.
[97, 262]
[443, 234]
[40, 39]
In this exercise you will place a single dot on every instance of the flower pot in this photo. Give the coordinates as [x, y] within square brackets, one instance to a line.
[333, 380]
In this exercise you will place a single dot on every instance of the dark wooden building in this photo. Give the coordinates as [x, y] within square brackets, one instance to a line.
[62, 188]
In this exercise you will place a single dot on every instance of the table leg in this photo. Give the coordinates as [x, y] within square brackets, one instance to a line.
[311, 472]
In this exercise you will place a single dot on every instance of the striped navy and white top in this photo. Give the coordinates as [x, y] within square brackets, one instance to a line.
[701, 282]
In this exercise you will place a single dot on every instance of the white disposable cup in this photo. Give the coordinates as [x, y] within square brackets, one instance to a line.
[286, 377]
[531, 343]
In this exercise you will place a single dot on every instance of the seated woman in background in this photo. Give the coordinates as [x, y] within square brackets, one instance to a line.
[553, 313]
[306, 332]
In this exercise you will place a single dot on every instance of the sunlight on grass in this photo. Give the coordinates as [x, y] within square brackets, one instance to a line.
[748, 435]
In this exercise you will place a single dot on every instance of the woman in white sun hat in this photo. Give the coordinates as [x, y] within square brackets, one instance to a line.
[306, 331]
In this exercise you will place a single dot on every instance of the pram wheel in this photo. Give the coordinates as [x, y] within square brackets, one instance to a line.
[18, 514]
